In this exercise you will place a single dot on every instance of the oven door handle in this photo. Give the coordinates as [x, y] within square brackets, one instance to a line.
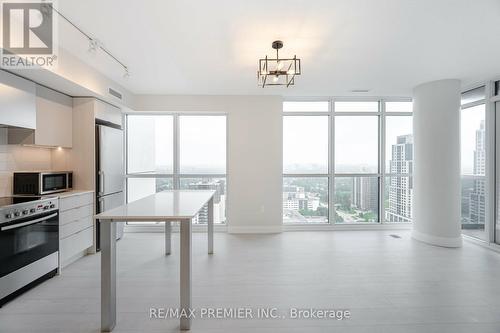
[14, 226]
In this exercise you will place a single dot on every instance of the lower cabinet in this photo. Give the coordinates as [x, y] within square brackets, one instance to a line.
[76, 226]
[72, 247]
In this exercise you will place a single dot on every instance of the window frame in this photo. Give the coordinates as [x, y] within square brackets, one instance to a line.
[488, 221]
[175, 175]
[381, 174]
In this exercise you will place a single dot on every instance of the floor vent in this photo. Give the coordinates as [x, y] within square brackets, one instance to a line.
[395, 236]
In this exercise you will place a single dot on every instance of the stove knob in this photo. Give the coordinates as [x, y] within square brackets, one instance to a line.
[25, 212]
[17, 213]
[52, 206]
[32, 210]
[45, 207]
[8, 215]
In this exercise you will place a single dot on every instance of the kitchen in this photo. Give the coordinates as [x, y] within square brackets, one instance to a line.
[38, 142]
[52, 210]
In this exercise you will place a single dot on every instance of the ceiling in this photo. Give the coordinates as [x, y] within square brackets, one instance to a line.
[212, 47]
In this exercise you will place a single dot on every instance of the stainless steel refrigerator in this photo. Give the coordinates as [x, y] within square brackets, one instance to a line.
[110, 177]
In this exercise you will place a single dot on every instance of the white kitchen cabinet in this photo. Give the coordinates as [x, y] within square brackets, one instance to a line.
[17, 101]
[76, 225]
[54, 118]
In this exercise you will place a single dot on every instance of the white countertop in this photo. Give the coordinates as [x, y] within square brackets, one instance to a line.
[71, 193]
[181, 204]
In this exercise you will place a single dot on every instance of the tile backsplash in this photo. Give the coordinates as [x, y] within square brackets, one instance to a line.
[23, 158]
[20, 158]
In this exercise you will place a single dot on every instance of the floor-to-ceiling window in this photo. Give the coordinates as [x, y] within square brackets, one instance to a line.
[347, 161]
[305, 162]
[177, 151]
[496, 113]
[473, 162]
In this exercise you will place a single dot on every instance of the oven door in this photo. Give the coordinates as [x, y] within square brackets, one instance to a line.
[53, 182]
[26, 240]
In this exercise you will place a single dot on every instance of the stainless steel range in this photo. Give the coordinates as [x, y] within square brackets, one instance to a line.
[29, 242]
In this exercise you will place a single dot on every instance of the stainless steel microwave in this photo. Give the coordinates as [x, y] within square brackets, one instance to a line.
[42, 182]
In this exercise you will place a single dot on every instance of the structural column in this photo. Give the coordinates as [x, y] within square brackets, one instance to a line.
[436, 180]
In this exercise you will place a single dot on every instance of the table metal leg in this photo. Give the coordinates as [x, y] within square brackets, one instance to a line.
[186, 246]
[211, 226]
[108, 275]
[168, 237]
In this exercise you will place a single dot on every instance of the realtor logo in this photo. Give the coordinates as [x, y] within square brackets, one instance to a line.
[28, 34]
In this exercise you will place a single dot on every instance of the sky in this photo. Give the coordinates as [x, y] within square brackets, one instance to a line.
[202, 141]
[305, 142]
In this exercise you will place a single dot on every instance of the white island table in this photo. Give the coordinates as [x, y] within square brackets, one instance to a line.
[167, 206]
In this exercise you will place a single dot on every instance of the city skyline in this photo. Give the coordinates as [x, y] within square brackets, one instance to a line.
[356, 199]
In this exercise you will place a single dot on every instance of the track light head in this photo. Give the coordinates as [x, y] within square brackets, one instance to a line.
[94, 45]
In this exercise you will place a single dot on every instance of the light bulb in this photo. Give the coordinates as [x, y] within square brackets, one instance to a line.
[280, 65]
[276, 78]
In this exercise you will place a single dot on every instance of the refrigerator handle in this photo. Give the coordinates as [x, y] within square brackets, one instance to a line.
[101, 205]
[101, 182]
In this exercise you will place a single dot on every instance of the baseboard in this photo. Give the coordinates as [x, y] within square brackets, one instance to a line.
[175, 228]
[254, 229]
[346, 226]
[485, 244]
[437, 240]
[74, 258]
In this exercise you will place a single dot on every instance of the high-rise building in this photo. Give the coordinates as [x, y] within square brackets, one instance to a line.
[295, 198]
[218, 185]
[401, 188]
[365, 193]
[477, 198]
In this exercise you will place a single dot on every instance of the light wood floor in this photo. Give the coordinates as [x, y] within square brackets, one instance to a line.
[388, 284]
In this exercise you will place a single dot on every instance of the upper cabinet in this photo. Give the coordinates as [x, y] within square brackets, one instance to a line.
[54, 118]
[33, 114]
[17, 101]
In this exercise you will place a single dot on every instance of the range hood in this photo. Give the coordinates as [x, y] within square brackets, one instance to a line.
[17, 109]
[12, 135]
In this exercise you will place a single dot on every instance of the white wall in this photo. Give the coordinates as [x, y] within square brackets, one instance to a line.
[254, 182]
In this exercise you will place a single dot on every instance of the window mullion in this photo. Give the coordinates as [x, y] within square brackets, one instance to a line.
[176, 178]
[331, 165]
[382, 153]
